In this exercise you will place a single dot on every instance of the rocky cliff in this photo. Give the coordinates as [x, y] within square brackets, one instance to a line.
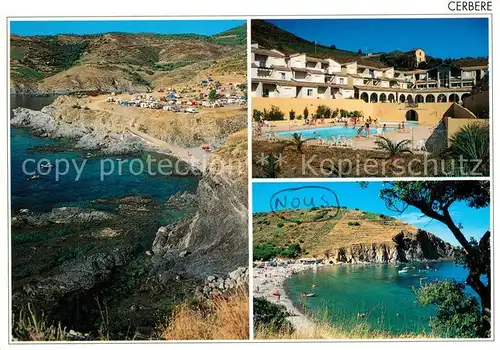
[405, 247]
[215, 240]
[349, 236]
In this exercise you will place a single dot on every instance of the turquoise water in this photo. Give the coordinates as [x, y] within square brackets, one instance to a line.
[337, 130]
[379, 291]
[47, 192]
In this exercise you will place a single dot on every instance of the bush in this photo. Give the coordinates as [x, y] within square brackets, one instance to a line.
[291, 114]
[306, 113]
[256, 115]
[267, 251]
[323, 111]
[280, 224]
[213, 95]
[458, 314]
[353, 223]
[274, 114]
[270, 316]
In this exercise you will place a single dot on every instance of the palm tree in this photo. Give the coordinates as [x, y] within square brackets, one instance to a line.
[298, 142]
[394, 149]
[472, 143]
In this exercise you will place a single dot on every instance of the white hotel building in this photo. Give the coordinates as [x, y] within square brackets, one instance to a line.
[302, 76]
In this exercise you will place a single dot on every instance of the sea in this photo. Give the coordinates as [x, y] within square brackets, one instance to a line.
[50, 191]
[385, 296]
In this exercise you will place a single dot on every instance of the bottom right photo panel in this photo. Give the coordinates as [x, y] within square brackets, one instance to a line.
[369, 260]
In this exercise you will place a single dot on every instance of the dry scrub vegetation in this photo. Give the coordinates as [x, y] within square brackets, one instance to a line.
[224, 318]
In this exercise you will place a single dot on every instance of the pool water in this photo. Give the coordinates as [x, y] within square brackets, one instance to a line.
[339, 130]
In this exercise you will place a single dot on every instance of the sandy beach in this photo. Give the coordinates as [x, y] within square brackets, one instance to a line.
[269, 279]
[196, 157]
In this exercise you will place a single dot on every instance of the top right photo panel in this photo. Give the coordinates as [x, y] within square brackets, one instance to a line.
[387, 97]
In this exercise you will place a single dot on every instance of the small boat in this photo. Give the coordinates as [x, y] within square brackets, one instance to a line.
[47, 165]
[310, 295]
[34, 177]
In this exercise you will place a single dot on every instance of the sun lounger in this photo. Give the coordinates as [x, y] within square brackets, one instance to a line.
[342, 140]
[333, 141]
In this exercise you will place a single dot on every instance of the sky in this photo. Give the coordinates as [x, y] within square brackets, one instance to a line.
[204, 27]
[350, 194]
[438, 37]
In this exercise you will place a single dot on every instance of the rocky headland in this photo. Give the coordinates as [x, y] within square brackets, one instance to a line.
[350, 236]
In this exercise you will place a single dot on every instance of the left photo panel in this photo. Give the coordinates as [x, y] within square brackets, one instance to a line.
[129, 180]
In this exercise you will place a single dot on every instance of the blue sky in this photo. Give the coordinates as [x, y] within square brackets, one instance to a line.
[205, 27]
[438, 37]
[351, 195]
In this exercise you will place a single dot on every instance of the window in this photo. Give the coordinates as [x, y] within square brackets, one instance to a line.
[283, 76]
[262, 64]
[265, 93]
[309, 92]
[341, 80]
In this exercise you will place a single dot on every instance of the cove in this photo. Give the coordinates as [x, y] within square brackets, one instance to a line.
[385, 296]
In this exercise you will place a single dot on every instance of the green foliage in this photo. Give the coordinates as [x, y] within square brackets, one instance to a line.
[267, 251]
[298, 142]
[270, 316]
[305, 113]
[61, 54]
[472, 144]
[274, 114]
[434, 199]
[17, 53]
[291, 114]
[213, 95]
[167, 67]
[256, 115]
[353, 223]
[458, 314]
[280, 224]
[323, 111]
[395, 148]
[29, 73]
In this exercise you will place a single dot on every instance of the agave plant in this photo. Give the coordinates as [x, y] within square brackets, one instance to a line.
[395, 148]
[472, 143]
[298, 141]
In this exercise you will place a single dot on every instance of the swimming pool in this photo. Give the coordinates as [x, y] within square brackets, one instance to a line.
[339, 130]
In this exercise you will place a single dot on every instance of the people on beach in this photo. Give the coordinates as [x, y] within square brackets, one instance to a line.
[384, 128]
